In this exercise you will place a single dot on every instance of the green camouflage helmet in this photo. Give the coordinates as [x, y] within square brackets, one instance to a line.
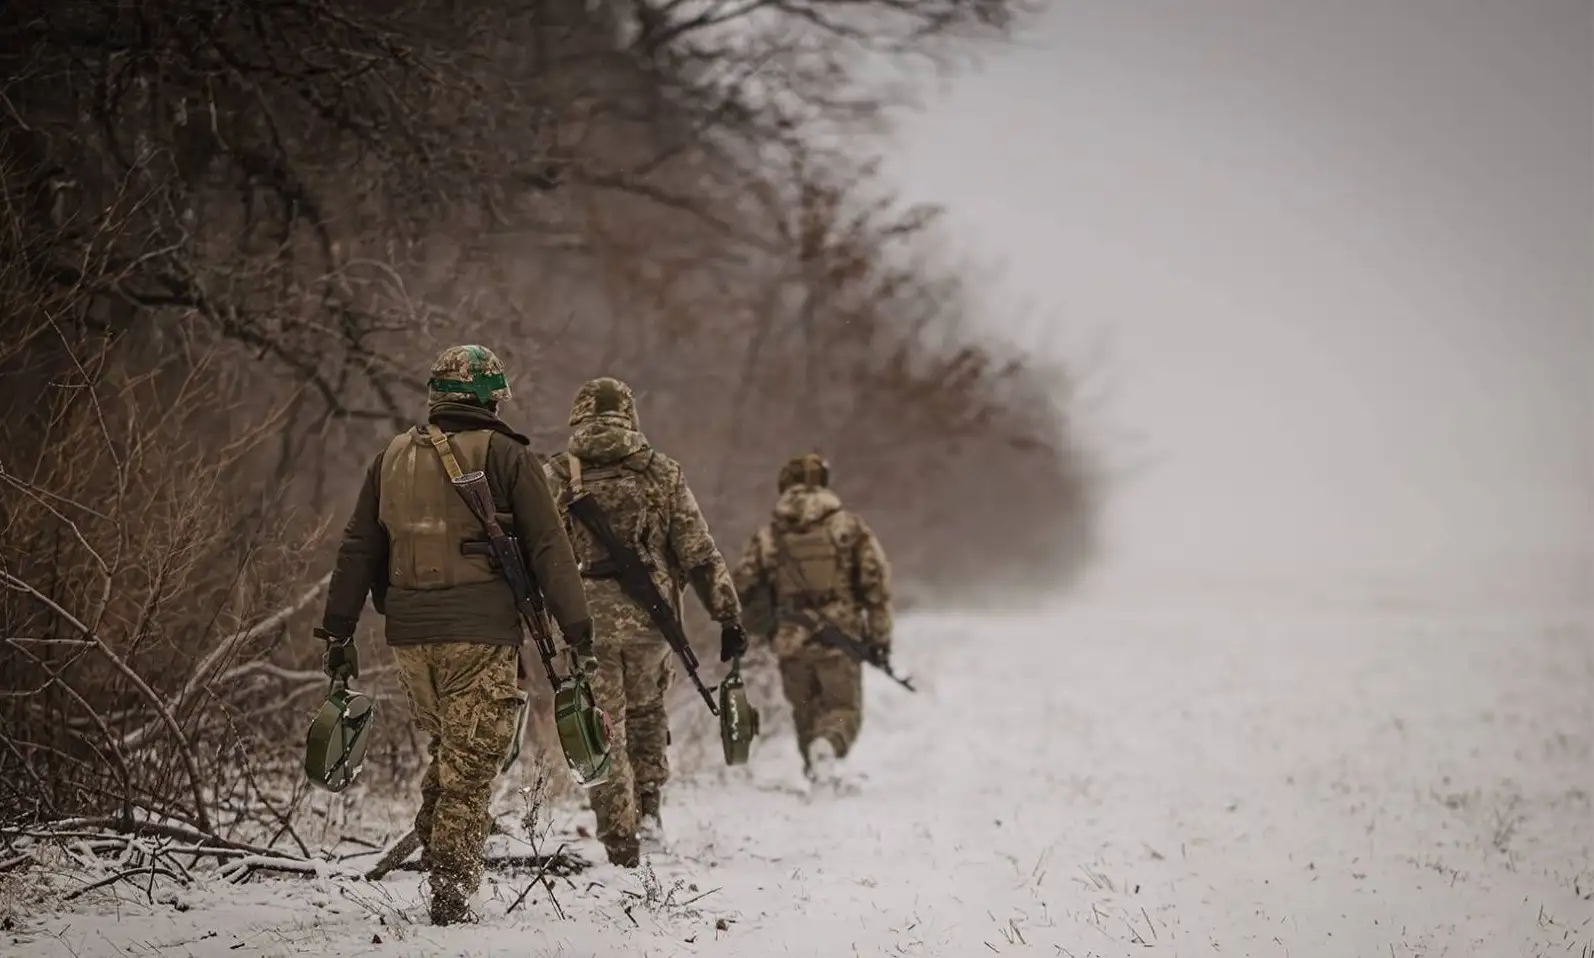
[605, 397]
[467, 374]
[809, 469]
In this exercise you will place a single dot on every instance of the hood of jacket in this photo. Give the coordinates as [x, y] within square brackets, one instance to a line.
[801, 507]
[604, 423]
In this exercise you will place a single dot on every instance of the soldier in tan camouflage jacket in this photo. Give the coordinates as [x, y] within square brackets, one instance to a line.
[816, 559]
[450, 618]
[645, 496]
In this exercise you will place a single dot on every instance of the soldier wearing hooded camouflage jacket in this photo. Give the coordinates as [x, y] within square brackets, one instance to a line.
[450, 618]
[817, 561]
[645, 496]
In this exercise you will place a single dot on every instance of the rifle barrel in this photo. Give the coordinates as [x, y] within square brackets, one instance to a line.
[828, 633]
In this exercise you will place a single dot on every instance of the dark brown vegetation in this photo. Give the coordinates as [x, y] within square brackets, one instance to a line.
[234, 232]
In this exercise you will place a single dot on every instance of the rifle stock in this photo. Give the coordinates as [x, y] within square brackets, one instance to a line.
[636, 581]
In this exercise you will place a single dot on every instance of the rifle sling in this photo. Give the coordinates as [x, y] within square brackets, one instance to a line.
[636, 581]
[655, 603]
[646, 594]
[445, 451]
[575, 475]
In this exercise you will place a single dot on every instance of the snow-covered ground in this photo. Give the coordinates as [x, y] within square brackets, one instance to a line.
[1333, 779]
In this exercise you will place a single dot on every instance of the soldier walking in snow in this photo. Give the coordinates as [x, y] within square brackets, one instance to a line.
[452, 620]
[646, 500]
[818, 567]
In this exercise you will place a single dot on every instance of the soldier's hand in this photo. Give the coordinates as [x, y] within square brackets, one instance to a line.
[733, 641]
[583, 661]
[882, 656]
[341, 660]
[578, 635]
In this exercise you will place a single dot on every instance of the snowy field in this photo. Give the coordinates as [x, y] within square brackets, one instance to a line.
[1318, 779]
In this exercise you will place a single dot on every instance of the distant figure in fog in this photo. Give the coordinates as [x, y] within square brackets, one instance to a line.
[815, 564]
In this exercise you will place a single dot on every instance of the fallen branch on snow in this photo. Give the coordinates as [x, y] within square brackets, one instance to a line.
[240, 870]
[205, 842]
[561, 864]
[403, 849]
[99, 845]
[122, 876]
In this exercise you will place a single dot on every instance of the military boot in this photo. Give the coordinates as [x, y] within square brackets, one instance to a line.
[650, 831]
[823, 766]
[450, 904]
[624, 852]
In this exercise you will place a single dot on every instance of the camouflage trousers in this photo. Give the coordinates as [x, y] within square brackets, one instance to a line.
[464, 697]
[826, 696]
[630, 684]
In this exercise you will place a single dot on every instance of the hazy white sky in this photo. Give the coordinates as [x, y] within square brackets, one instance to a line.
[1344, 251]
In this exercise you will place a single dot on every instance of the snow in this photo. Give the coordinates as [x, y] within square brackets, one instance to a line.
[1278, 777]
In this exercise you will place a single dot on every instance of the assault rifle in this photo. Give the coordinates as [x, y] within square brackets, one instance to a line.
[636, 581]
[830, 635]
[583, 728]
[504, 551]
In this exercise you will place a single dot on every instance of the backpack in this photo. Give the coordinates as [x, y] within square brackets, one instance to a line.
[809, 569]
[624, 491]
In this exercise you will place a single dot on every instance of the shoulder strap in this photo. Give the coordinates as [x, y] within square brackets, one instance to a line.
[575, 473]
[445, 450]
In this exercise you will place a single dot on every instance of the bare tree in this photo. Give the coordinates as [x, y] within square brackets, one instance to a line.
[233, 234]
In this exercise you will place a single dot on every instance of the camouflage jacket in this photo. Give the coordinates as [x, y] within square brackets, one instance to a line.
[647, 499]
[862, 603]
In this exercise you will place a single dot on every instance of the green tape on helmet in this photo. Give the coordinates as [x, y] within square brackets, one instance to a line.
[467, 373]
[482, 387]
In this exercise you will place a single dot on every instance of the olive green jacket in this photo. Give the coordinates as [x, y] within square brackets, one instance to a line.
[476, 612]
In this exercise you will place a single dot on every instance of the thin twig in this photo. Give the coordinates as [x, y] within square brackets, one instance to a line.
[226, 648]
[151, 870]
[537, 878]
[186, 752]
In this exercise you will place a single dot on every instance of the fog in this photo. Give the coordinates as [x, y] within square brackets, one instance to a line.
[1342, 253]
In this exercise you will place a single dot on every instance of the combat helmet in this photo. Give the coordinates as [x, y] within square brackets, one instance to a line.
[605, 398]
[469, 374]
[809, 469]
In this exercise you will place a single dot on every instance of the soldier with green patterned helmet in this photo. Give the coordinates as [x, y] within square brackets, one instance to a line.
[645, 496]
[450, 617]
[817, 561]
[471, 375]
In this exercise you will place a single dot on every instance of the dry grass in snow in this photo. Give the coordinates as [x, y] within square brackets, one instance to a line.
[1355, 780]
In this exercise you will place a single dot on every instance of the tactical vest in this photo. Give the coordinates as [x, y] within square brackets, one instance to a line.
[809, 570]
[622, 490]
[426, 520]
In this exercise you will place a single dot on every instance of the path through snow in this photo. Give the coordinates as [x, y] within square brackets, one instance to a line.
[1356, 782]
